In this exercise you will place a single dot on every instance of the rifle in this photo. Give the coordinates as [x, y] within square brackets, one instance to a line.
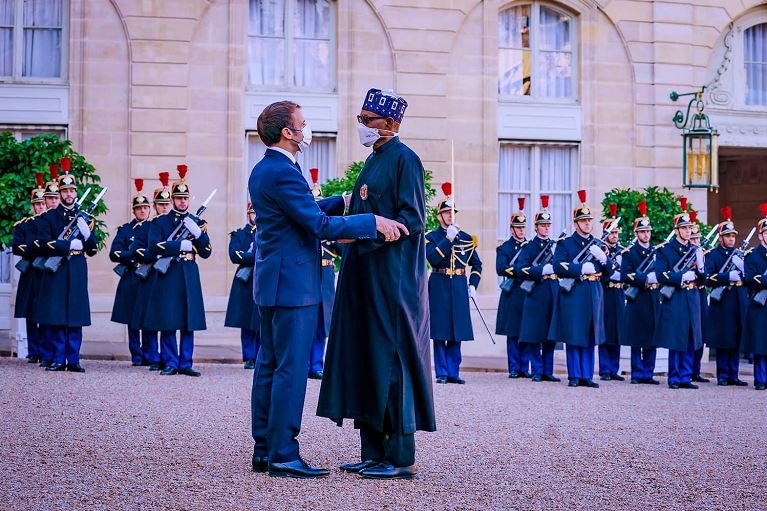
[584, 256]
[54, 262]
[683, 264]
[717, 292]
[632, 292]
[543, 258]
[179, 233]
[508, 283]
[39, 261]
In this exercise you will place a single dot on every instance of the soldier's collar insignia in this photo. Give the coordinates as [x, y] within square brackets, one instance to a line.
[364, 192]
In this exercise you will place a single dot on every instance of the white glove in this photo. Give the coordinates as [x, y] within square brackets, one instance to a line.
[84, 229]
[186, 246]
[735, 276]
[588, 269]
[699, 261]
[616, 276]
[738, 262]
[75, 244]
[598, 254]
[619, 259]
[651, 278]
[472, 292]
[452, 231]
[192, 227]
[553, 248]
[689, 276]
[548, 269]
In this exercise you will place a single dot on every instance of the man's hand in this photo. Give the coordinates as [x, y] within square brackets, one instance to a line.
[75, 244]
[598, 254]
[391, 229]
[84, 229]
[616, 276]
[588, 269]
[452, 231]
[652, 278]
[186, 246]
[548, 269]
[735, 276]
[699, 259]
[688, 276]
[347, 200]
[738, 262]
[192, 227]
[472, 292]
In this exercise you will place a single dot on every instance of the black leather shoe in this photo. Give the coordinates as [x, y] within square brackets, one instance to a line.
[525, 374]
[75, 368]
[721, 383]
[441, 379]
[188, 371]
[737, 382]
[45, 363]
[514, 374]
[357, 467]
[315, 375]
[651, 381]
[617, 376]
[700, 379]
[573, 382]
[169, 371]
[32, 360]
[456, 380]
[154, 367]
[56, 367]
[590, 384]
[537, 378]
[548, 377]
[760, 386]
[635, 381]
[605, 377]
[259, 463]
[674, 386]
[387, 471]
[250, 364]
[688, 386]
[298, 469]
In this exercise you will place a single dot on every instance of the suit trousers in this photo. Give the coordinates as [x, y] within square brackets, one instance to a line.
[680, 364]
[760, 369]
[33, 339]
[727, 364]
[447, 358]
[643, 363]
[580, 362]
[251, 342]
[541, 357]
[317, 353]
[609, 359]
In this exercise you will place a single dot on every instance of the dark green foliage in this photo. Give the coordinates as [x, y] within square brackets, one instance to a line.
[18, 163]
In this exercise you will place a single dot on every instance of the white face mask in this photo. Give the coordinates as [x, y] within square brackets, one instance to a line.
[369, 136]
[307, 133]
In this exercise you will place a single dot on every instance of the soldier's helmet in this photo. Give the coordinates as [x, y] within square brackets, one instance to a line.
[447, 203]
[139, 199]
[761, 225]
[66, 180]
[642, 223]
[162, 195]
[38, 192]
[582, 212]
[543, 216]
[52, 186]
[606, 222]
[180, 188]
[519, 219]
[682, 219]
[727, 226]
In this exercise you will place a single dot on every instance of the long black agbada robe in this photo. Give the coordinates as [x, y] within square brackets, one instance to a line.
[381, 312]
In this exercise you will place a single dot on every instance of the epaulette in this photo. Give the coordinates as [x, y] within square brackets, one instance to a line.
[21, 221]
[626, 250]
[705, 252]
[474, 240]
[138, 224]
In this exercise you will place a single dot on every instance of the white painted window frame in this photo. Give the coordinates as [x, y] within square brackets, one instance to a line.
[738, 69]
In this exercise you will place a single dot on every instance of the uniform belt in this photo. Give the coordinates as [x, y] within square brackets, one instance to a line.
[186, 256]
[448, 271]
[736, 284]
[689, 286]
[617, 285]
[593, 278]
[75, 252]
[652, 286]
[550, 277]
[328, 262]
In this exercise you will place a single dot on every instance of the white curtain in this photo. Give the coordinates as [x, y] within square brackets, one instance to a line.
[755, 61]
[514, 180]
[321, 154]
[311, 48]
[514, 56]
[555, 66]
[555, 178]
[43, 22]
[6, 37]
[266, 42]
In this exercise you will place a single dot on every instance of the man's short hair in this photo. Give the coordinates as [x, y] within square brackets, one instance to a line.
[273, 119]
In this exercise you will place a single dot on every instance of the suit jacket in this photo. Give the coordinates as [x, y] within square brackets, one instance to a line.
[290, 227]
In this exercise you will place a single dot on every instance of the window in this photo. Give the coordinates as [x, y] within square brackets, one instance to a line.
[291, 44]
[530, 170]
[22, 133]
[535, 52]
[755, 64]
[321, 153]
[31, 39]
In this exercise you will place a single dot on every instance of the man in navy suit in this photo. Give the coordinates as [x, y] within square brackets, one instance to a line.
[287, 285]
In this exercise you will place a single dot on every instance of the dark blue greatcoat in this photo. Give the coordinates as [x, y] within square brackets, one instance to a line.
[509, 318]
[330, 252]
[23, 246]
[449, 296]
[615, 302]
[127, 289]
[639, 317]
[139, 249]
[538, 306]
[579, 315]
[175, 300]
[242, 311]
[729, 314]
[755, 269]
[679, 318]
[65, 302]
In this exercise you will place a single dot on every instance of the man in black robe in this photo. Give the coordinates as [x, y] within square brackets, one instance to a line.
[377, 362]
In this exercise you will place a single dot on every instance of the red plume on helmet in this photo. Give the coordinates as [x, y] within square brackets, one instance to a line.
[165, 178]
[582, 196]
[39, 179]
[544, 201]
[613, 210]
[642, 206]
[66, 163]
[447, 188]
[54, 168]
[139, 184]
[693, 216]
[521, 202]
[182, 169]
[683, 203]
[315, 172]
[727, 213]
[763, 208]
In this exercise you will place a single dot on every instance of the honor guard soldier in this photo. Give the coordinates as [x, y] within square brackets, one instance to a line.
[331, 251]
[579, 315]
[175, 301]
[678, 322]
[512, 297]
[66, 306]
[724, 271]
[241, 311]
[700, 283]
[641, 300]
[615, 304]
[450, 252]
[24, 233]
[126, 295]
[146, 276]
[539, 282]
[755, 275]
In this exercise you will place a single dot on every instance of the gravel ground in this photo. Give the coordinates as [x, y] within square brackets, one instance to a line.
[119, 437]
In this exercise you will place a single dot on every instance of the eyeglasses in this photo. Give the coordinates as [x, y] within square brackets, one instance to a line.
[365, 119]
